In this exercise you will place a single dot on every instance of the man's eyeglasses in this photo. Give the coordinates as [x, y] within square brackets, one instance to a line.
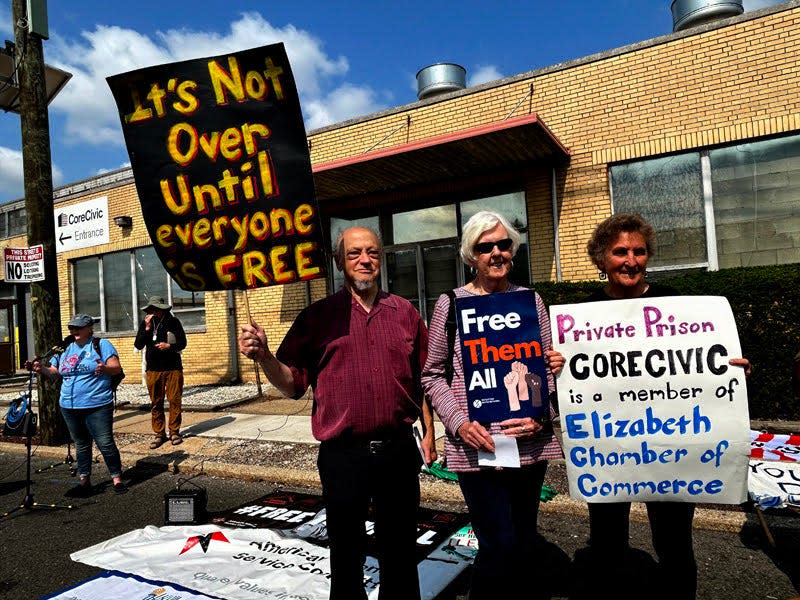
[487, 247]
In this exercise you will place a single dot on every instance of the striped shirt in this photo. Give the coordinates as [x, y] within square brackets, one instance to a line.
[364, 366]
[450, 401]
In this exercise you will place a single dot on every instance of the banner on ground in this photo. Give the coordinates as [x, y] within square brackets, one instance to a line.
[503, 358]
[650, 408]
[774, 484]
[111, 584]
[220, 158]
[775, 446]
[247, 564]
[300, 515]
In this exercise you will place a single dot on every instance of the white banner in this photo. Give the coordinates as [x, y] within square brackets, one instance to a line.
[245, 564]
[775, 484]
[128, 587]
[650, 408]
[229, 563]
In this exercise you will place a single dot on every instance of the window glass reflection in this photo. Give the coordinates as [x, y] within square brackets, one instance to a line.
[432, 223]
[87, 286]
[667, 192]
[756, 212]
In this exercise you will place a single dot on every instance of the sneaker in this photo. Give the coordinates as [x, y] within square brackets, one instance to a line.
[156, 443]
[176, 439]
[82, 490]
[120, 488]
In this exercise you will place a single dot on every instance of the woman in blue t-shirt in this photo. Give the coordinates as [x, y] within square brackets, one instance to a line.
[87, 400]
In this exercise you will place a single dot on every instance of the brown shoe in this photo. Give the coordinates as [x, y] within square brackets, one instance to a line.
[156, 443]
[176, 439]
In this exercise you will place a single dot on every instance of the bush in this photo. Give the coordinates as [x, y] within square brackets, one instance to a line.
[766, 305]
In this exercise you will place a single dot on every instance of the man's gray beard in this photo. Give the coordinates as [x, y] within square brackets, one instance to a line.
[362, 285]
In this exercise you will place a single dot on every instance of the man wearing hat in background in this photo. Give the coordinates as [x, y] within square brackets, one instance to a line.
[161, 334]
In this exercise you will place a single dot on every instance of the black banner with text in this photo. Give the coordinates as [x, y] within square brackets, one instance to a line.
[220, 159]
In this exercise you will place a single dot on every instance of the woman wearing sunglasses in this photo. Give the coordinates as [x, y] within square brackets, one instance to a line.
[503, 502]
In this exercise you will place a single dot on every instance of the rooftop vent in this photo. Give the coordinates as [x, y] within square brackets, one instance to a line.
[439, 79]
[690, 13]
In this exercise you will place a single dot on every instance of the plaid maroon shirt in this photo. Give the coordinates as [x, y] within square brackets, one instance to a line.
[364, 366]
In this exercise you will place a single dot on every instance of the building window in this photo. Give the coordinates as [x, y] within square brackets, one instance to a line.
[421, 247]
[726, 207]
[113, 288]
[668, 192]
[757, 202]
[17, 222]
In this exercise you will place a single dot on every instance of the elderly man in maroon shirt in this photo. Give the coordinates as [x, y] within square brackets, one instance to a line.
[362, 351]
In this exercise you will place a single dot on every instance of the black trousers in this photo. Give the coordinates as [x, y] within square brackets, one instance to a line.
[504, 508]
[671, 528]
[354, 474]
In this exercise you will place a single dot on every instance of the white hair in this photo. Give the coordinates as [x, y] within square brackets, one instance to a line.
[478, 224]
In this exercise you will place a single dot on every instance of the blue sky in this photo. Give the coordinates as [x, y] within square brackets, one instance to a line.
[349, 58]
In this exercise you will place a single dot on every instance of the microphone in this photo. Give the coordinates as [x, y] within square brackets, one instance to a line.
[58, 348]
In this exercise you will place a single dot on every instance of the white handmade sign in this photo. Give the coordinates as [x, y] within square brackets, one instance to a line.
[650, 408]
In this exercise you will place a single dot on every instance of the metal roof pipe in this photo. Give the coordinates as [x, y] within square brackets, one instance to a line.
[439, 79]
[690, 13]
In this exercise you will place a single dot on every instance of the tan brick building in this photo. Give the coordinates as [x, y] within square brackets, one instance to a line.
[699, 130]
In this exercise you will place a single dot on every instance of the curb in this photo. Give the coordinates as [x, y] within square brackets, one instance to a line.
[449, 493]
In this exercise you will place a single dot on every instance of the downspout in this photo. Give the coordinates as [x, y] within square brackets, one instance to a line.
[233, 354]
[556, 241]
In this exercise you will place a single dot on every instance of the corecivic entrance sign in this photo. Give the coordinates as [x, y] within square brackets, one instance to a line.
[82, 225]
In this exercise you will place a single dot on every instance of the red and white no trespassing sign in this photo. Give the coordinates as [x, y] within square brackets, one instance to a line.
[24, 264]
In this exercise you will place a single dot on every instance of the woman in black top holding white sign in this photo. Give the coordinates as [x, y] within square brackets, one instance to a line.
[620, 247]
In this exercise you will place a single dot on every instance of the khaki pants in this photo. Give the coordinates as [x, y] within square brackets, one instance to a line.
[169, 384]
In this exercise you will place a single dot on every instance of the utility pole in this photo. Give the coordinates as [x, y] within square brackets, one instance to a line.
[29, 60]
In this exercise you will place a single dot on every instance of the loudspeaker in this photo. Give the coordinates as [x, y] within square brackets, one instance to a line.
[185, 507]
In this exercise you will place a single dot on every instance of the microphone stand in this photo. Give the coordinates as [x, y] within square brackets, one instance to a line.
[69, 460]
[30, 426]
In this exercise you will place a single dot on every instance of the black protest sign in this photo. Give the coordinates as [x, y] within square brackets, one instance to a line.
[220, 159]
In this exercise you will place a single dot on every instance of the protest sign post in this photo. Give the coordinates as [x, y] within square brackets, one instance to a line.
[650, 407]
[220, 160]
[501, 349]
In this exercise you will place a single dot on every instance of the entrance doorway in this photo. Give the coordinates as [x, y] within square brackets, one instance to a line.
[420, 272]
[8, 350]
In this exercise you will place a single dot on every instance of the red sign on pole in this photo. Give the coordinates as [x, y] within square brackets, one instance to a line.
[24, 265]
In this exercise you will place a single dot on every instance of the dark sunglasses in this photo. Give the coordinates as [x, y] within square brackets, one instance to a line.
[487, 247]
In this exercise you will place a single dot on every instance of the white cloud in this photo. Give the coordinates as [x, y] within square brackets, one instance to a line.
[11, 174]
[345, 102]
[124, 165]
[482, 74]
[88, 105]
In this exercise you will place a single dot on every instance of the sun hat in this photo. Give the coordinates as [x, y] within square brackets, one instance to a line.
[157, 302]
[80, 320]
